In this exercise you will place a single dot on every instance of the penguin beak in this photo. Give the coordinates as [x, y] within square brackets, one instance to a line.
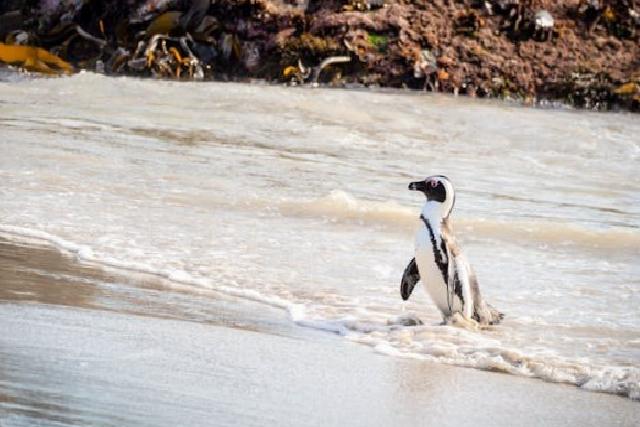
[418, 186]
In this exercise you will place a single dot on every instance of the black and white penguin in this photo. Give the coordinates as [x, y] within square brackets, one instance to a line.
[439, 263]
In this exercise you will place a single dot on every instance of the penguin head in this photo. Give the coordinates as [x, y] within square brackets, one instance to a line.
[438, 190]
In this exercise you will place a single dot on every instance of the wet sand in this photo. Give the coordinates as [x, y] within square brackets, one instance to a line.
[83, 346]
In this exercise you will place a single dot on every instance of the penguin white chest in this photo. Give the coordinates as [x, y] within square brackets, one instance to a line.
[430, 274]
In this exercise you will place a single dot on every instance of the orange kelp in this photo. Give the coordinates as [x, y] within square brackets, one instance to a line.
[33, 59]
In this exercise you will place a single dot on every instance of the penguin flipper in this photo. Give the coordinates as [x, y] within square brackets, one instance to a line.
[410, 277]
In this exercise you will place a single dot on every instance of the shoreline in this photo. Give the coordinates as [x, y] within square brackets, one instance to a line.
[78, 341]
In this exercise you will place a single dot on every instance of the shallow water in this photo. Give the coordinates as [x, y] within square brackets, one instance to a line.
[298, 198]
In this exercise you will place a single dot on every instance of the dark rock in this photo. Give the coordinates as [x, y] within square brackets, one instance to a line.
[11, 21]
[483, 48]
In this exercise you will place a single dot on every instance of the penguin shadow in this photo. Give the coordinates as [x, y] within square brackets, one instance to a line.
[456, 320]
[405, 320]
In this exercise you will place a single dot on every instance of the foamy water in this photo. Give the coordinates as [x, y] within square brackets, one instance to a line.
[298, 198]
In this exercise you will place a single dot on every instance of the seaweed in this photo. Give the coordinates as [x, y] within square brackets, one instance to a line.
[33, 58]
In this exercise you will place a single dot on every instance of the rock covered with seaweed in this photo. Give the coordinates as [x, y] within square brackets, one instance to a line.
[584, 52]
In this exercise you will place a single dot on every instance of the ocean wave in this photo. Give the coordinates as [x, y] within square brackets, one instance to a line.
[84, 253]
[340, 206]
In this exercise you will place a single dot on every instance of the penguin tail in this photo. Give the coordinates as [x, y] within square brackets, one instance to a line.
[496, 316]
[486, 314]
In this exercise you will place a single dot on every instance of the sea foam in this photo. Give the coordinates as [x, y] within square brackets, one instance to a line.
[447, 344]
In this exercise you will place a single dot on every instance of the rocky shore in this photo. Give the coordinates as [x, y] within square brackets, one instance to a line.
[582, 52]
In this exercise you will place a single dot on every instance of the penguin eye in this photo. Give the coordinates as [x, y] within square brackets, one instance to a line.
[433, 183]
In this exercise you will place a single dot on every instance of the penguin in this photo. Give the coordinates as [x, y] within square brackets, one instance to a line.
[439, 262]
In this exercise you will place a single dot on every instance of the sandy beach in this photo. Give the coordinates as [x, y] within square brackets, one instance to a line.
[82, 346]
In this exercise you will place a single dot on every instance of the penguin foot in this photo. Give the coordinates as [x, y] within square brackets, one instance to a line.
[458, 320]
